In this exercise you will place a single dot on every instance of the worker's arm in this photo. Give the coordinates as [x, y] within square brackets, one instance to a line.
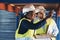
[30, 25]
[53, 30]
[25, 25]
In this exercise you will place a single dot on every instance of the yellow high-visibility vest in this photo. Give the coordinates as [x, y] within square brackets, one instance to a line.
[29, 33]
[43, 30]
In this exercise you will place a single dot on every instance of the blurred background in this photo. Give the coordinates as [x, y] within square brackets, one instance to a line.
[10, 15]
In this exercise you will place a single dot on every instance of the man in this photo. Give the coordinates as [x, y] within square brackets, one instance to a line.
[26, 27]
[40, 15]
[50, 27]
[53, 29]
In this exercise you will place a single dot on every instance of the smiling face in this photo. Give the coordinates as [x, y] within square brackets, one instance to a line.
[41, 14]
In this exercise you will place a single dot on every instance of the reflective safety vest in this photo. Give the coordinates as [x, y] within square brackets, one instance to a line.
[29, 33]
[43, 30]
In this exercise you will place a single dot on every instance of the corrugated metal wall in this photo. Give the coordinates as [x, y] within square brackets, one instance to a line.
[7, 24]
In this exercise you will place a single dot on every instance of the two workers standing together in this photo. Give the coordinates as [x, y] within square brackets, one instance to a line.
[35, 22]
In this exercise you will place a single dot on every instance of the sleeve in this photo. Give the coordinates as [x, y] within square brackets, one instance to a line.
[30, 25]
[53, 30]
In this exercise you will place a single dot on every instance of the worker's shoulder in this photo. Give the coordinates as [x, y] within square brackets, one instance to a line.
[50, 19]
[24, 21]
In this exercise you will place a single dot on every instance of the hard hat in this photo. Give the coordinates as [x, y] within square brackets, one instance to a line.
[28, 8]
[41, 8]
[38, 9]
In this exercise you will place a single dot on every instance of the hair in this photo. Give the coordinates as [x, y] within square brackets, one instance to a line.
[51, 12]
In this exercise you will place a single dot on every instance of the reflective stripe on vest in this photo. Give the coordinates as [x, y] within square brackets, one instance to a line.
[29, 33]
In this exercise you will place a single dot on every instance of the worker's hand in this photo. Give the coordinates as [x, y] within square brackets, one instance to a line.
[50, 35]
[34, 36]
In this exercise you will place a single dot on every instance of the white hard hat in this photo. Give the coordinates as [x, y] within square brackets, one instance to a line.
[38, 9]
[28, 8]
[42, 8]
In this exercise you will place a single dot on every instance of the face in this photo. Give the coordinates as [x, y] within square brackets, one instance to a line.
[41, 15]
[31, 15]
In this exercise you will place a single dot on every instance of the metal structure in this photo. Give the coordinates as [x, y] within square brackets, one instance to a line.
[7, 25]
